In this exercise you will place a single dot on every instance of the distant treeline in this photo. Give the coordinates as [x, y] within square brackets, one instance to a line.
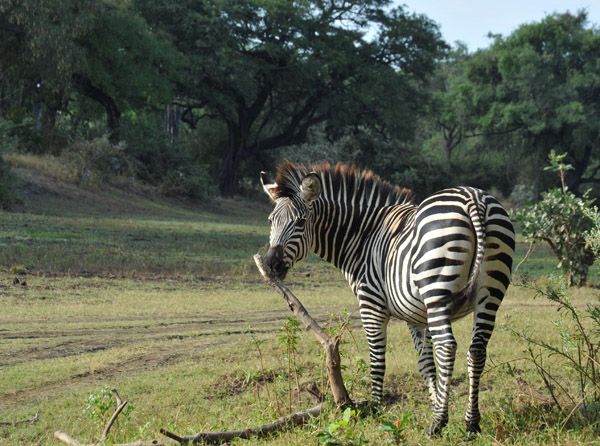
[198, 96]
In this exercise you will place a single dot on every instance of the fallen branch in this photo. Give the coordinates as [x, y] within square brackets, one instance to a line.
[66, 438]
[260, 431]
[334, 374]
[35, 419]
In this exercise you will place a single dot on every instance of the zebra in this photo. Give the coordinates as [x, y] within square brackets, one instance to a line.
[427, 264]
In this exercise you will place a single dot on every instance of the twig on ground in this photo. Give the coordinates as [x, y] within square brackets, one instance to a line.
[16, 423]
[66, 438]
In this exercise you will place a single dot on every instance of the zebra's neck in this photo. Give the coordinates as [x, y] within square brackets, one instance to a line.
[345, 233]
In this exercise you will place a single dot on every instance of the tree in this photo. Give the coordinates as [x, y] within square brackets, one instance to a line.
[272, 69]
[38, 43]
[126, 64]
[541, 86]
[104, 51]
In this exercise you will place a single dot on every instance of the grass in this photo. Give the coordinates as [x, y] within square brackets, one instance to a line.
[161, 301]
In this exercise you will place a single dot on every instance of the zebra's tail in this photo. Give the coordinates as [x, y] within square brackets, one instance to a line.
[477, 209]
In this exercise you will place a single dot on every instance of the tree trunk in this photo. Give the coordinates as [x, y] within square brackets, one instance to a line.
[227, 177]
[574, 177]
[171, 117]
[113, 114]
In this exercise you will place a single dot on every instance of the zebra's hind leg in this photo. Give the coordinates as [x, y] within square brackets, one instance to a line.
[445, 354]
[424, 347]
[484, 318]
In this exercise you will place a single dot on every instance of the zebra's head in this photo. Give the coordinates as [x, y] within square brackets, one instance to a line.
[292, 221]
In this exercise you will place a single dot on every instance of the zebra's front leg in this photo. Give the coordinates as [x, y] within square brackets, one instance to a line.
[445, 354]
[424, 347]
[375, 324]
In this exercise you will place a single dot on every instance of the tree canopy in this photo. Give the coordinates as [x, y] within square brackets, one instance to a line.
[360, 81]
[272, 69]
[537, 89]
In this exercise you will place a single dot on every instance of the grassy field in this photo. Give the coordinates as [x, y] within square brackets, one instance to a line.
[162, 301]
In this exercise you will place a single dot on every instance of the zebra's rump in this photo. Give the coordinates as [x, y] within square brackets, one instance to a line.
[461, 242]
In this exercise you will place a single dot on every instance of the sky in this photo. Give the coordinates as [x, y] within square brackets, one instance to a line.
[470, 21]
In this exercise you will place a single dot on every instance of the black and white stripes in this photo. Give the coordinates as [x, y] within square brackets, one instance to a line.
[427, 265]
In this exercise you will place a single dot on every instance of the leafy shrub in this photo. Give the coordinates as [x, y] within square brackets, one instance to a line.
[191, 181]
[6, 185]
[561, 219]
[98, 160]
[577, 394]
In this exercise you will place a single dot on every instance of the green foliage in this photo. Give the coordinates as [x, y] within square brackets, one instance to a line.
[592, 237]
[272, 69]
[396, 429]
[6, 184]
[539, 86]
[101, 405]
[578, 396]
[562, 220]
[98, 160]
[342, 432]
[192, 180]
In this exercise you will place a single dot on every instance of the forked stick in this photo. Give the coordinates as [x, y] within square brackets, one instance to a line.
[330, 345]
[66, 438]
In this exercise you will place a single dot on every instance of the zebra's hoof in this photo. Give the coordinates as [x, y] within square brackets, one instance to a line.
[436, 427]
[473, 427]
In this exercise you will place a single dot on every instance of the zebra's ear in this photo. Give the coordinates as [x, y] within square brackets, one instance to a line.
[268, 185]
[310, 187]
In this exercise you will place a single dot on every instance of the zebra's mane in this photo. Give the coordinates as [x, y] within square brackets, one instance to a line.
[354, 182]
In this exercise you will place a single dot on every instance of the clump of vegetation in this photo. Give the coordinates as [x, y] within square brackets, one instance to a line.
[98, 160]
[577, 394]
[343, 431]
[100, 406]
[561, 219]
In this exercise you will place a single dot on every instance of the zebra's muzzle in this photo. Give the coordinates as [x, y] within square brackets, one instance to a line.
[274, 260]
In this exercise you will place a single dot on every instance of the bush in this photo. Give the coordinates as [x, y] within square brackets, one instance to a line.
[576, 394]
[562, 220]
[191, 181]
[8, 143]
[98, 160]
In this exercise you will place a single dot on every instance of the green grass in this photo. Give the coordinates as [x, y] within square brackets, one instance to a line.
[159, 300]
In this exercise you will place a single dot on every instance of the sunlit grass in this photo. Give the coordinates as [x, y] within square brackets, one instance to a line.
[163, 304]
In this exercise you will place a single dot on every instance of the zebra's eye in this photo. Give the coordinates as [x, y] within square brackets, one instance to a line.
[300, 222]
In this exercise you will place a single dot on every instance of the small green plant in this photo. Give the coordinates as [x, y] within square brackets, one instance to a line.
[100, 406]
[341, 432]
[289, 334]
[396, 429]
[561, 219]
[257, 344]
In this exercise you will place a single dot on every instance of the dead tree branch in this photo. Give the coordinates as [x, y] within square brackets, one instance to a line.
[334, 373]
[221, 437]
[16, 423]
[330, 345]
